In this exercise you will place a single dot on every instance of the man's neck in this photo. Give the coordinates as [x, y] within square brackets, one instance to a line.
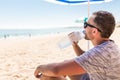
[99, 41]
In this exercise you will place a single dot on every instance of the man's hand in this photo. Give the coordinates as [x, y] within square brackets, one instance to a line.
[43, 77]
[74, 37]
[37, 73]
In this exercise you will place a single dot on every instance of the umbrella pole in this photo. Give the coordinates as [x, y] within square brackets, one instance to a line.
[88, 8]
[88, 17]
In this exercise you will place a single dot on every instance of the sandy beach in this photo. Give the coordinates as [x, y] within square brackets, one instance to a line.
[20, 56]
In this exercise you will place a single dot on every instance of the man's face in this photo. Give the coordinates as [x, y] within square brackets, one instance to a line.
[89, 25]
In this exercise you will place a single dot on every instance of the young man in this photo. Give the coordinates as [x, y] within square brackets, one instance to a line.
[102, 62]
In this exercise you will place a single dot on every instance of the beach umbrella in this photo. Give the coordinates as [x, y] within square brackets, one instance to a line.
[78, 2]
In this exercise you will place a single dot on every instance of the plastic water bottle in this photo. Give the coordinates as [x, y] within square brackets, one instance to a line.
[66, 41]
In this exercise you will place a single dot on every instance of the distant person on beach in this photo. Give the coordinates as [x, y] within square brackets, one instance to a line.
[102, 62]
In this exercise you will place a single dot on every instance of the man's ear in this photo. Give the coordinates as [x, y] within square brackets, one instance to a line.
[94, 31]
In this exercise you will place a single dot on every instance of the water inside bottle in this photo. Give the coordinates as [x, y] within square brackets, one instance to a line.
[65, 42]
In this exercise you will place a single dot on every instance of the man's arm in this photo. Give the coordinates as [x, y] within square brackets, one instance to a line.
[74, 39]
[69, 67]
[77, 49]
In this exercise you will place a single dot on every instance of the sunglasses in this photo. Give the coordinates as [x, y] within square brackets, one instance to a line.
[87, 24]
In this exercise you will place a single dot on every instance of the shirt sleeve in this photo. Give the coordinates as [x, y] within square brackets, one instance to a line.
[93, 60]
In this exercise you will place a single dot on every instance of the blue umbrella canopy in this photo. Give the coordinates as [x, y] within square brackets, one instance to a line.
[77, 2]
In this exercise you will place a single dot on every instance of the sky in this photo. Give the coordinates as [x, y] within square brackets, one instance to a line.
[37, 14]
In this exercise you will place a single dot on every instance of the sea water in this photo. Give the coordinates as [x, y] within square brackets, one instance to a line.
[5, 33]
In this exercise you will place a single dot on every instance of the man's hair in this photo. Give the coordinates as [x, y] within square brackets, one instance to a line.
[105, 22]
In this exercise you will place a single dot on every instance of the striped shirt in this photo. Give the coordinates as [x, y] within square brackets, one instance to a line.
[101, 62]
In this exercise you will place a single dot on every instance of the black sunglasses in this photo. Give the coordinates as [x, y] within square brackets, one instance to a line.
[87, 24]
